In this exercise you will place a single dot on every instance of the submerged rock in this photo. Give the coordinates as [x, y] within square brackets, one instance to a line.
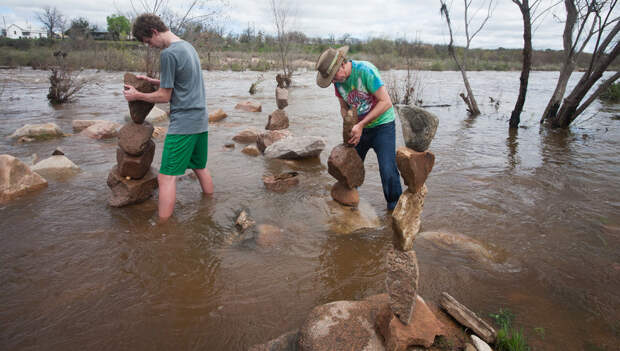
[281, 182]
[16, 178]
[346, 220]
[38, 131]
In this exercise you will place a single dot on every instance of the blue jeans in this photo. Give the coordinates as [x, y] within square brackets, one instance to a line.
[382, 139]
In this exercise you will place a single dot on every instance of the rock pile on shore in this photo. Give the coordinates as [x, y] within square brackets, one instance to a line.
[133, 180]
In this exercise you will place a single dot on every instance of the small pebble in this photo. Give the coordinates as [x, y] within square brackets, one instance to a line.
[128, 177]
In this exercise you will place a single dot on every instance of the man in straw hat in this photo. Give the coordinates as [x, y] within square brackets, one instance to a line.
[358, 86]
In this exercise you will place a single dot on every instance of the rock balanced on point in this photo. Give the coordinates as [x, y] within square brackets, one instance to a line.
[133, 180]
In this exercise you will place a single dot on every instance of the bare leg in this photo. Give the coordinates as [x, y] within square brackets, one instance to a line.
[167, 195]
[204, 177]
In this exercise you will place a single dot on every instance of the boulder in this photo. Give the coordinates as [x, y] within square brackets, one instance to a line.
[217, 115]
[55, 164]
[345, 195]
[38, 131]
[406, 217]
[102, 130]
[281, 182]
[81, 124]
[278, 119]
[401, 283]
[17, 179]
[414, 166]
[131, 191]
[343, 325]
[247, 136]
[251, 150]
[249, 106]
[135, 167]
[346, 220]
[268, 235]
[418, 125]
[346, 166]
[265, 139]
[244, 221]
[281, 97]
[296, 148]
[138, 110]
[422, 329]
[133, 138]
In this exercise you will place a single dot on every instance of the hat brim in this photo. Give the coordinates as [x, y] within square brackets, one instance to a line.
[324, 82]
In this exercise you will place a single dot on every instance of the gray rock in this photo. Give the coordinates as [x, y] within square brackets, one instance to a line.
[346, 220]
[296, 148]
[401, 283]
[102, 130]
[38, 131]
[418, 125]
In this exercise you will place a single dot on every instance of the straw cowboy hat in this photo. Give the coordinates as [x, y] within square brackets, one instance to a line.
[328, 64]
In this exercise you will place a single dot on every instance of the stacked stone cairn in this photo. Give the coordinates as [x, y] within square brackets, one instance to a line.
[346, 166]
[133, 180]
[414, 162]
[278, 119]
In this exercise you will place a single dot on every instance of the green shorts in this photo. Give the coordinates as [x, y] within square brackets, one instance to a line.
[183, 151]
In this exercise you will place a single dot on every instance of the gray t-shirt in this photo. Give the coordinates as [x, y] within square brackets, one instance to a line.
[180, 70]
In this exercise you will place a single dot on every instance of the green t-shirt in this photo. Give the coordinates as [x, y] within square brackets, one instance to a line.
[357, 91]
[181, 71]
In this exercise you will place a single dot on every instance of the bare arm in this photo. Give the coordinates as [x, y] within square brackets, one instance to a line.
[161, 95]
[383, 104]
[149, 79]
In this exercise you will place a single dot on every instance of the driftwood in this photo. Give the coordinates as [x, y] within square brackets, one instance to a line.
[438, 105]
[467, 318]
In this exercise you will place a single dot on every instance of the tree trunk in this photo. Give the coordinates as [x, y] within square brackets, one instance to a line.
[515, 116]
[471, 100]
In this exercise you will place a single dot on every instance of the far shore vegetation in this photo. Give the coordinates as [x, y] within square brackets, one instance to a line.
[260, 53]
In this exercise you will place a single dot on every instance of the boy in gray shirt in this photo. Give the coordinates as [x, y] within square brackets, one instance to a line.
[182, 85]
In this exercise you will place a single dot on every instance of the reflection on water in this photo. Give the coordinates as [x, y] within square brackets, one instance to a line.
[543, 205]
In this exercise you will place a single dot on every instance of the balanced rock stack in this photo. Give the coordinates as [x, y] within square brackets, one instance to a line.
[346, 166]
[401, 324]
[133, 180]
[278, 119]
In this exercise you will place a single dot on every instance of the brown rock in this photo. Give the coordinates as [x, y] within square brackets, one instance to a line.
[277, 120]
[135, 166]
[251, 150]
[16, 178]
[268, 235]
[217, 115]
[265, 139]
[281, 97]
[422, 329]
[249, 106]
[126, 192]
[102, 130]
[414, 166]
[401, 283]
[343, 325]
[345, 195]
[133, 138]
[283, 81]
[246, 136]
[346, 165]
[281, 182]
[139, 109]
[406, 217]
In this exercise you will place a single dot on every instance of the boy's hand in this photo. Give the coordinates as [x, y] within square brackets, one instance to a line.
[130, 93]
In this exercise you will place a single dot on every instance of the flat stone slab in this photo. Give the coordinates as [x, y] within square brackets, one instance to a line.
[296, 147]
[345, 220]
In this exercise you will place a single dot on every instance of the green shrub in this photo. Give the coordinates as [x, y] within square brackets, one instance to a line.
[508, 338]
[612, 94]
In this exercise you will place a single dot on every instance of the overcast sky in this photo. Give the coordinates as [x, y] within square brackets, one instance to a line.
[413, 19]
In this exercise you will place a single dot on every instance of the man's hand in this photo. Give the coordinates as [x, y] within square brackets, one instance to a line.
[149, 79]
[356, 134]
[130, 93]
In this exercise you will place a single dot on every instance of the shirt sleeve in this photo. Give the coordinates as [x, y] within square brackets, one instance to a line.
[167, 70]
[371, 79]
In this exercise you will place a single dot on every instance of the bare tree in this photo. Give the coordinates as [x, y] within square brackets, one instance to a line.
[461, 63]
[51, 19]
[527, 12]
[586, 20]
[282, 15]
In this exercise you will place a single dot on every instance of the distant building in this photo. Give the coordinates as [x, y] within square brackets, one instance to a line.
[14, 31]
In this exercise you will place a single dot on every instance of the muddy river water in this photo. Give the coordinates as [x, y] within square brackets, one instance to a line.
[77, 274]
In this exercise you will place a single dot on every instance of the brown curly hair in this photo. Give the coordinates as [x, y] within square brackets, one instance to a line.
[145, 23]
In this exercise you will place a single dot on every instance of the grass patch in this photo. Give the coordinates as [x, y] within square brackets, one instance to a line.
[508, 337]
